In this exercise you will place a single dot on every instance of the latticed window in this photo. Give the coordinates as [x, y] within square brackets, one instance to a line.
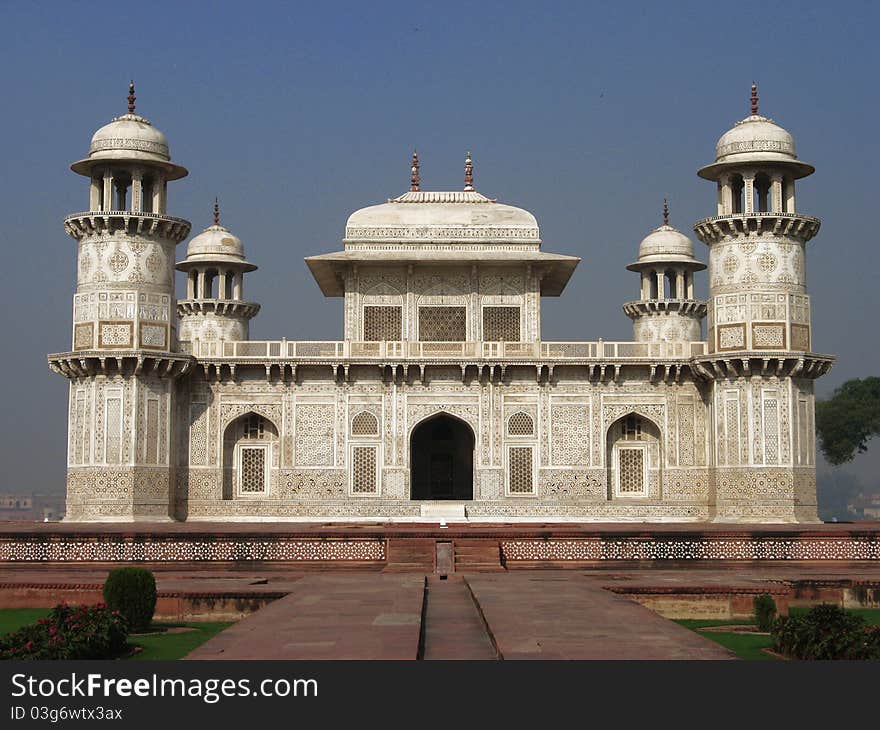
[253, 470]
[519, 465]
[382, 323]
[442, 324]
[501, 324]
[631, 465]
[364, 424]
[521, 424]
[632, 429]
[254, 427]
[363, 470]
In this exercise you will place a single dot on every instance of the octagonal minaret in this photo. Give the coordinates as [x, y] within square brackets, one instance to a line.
[124, 355]
[214, 310]
[760, 360]
[667, 310]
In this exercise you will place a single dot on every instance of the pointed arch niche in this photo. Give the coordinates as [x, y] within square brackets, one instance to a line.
[250, 449]
[633, 458]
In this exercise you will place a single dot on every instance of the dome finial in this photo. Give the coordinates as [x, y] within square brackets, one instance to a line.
[754, 99]
[216, 212]
[414, 181]
[665, 212]
[468, 173]
[131, 97]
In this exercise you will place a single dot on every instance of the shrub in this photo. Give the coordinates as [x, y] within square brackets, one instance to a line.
[69, 632]
[825, 632]
[765, 611]
[132, 592]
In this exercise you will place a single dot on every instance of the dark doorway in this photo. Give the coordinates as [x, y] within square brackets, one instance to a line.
[442, 459]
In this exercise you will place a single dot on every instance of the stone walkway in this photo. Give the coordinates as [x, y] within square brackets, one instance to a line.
[351, 616]
[528, 615]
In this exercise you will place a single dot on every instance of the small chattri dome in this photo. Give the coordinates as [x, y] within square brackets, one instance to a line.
[666, 245]
[756, 139]
[130, 138]
[216, 245]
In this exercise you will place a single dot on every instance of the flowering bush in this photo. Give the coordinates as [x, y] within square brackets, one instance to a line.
[69, 632]
[826, 632]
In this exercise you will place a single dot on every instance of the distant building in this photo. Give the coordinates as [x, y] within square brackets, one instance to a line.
[442, 399]
[31, 507]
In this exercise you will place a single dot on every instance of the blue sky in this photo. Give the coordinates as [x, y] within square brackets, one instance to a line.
[296, 114]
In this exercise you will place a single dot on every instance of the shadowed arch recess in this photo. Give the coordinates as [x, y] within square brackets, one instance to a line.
[442, 459]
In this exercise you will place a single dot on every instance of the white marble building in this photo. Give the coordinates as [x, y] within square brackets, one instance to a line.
[442, 399]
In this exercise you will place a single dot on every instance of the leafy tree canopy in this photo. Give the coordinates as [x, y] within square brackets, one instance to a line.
[847, 420]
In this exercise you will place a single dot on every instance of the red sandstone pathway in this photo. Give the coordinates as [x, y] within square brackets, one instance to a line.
[565, 615]
[352, 616]
[453, 628]
[530, 615]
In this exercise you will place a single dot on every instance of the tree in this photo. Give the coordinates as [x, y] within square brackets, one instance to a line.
[847, 420]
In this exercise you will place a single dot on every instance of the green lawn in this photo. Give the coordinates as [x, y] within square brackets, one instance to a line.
[749, 646]
[12, 619]
[159, 645]
[175, 646]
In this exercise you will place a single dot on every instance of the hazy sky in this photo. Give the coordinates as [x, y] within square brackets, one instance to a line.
[296, 114]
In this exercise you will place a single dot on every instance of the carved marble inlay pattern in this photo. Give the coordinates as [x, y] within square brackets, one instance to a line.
[632, 470]
[570, 435]
[315, 434]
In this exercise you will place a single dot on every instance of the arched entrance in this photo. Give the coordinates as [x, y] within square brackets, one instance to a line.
[442, 459]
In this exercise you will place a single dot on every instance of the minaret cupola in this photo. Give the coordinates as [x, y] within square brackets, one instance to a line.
[666, 310]
[214, 308]
[757, 277]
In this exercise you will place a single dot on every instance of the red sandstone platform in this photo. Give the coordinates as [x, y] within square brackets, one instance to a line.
[430, 547]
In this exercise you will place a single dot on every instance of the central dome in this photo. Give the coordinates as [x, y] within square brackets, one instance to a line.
[423, 216]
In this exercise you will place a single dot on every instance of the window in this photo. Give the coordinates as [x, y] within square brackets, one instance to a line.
[442, 324]
[520, 478]
[252, 472]
[521, 424]
[631, 470]
[364, 424]
[253, 427]
[382, 324]
[363, 470]
[632, 429]
[501, 324]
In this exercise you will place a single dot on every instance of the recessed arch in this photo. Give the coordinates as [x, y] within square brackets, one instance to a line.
[364, 423]
[633, 444]
[442, 458]
[250, 447]
[520, 424]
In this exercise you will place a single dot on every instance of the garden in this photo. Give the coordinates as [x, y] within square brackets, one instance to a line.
[121, 627]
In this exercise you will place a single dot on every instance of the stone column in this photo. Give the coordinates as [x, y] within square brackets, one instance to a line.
[660, 287]
[749, 193]
[200, 284]
[726, 196]
[237, 286]
[190, 284]
[108, 190]
[646, 286]
[789, 196]
[95, 194]
[137, 189]
[158, 188]
[679, 285]
[776, 193]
